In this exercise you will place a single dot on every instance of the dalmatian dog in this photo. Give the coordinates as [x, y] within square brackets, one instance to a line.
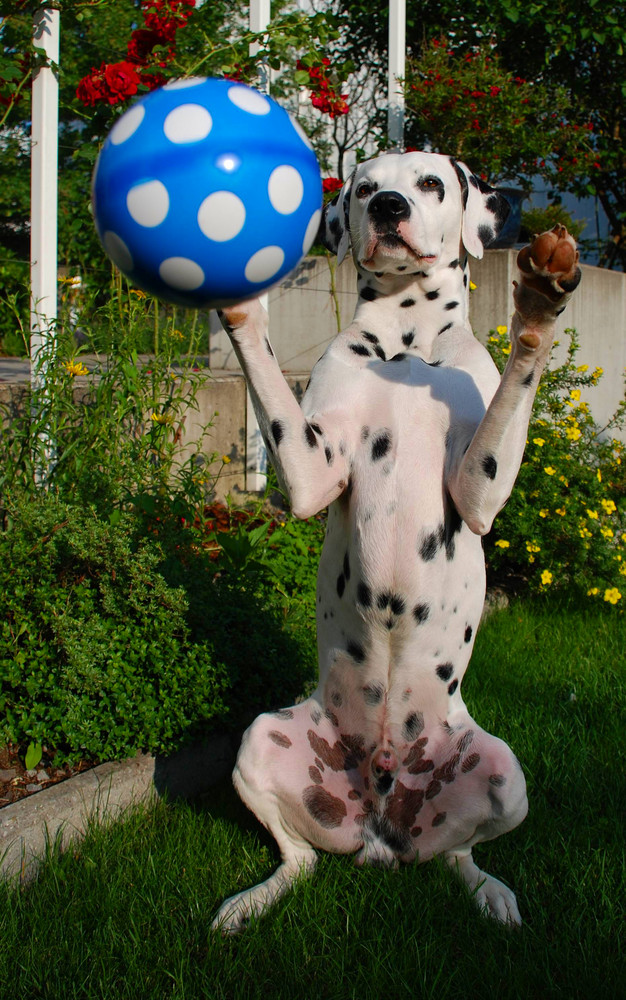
[410, 437]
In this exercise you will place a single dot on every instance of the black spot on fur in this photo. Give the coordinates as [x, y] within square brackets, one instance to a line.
[444, 328]
[364, 594]
[496, 804]
[407, 338]
[373, 339]
[428, 548]
[490, 466]
[346, 566]
[485, 235]
[453, 523]
[468, 633]
[439, 819]
[277, 431]
[373, 694]
[450, 305]
[361, 349]
[398, 605]
[398, 357]
[497, 780]
[444, 671]
[369, 294]
[383, 600]
[413, 725]
[381, 445]
[421, 613]
[431, 296]
[454, 263]
[378, 351]
[326, 809]
[309, 434]
[268, 348]
[341, 584]
[407, 303]
[355, 650]
[452, 688]
[528, 381]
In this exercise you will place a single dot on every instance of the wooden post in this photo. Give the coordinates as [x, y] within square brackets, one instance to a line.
[396, 70]
[43, 214]
[256, 453]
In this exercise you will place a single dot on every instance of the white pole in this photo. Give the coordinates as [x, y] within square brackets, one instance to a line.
[43, 227]
[396, 70]
[256, 453]
[44, 196]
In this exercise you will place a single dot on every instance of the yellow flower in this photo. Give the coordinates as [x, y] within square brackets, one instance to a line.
[612, 595]
[593, 514]
[472, 286]
[561, 511]
[502, 543]
[539, 442]
[593, 591]
[546, 577]
[606, 532]
[582, 368]
[622, 569]
[573, 433]
[549, 470]
[563, 480]
[609, 506]
[501, 330]
[161, 418]
[598, 475]
[575, 394]
[544, 512]
[585, 533]
[533, 547]
[177, 335]
[74, 368]
[138, 293]
[225, 459]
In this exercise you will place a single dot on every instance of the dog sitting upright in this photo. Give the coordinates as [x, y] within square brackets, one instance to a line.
[411, 438]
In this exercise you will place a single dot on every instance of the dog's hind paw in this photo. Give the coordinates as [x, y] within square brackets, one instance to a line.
[493, 898]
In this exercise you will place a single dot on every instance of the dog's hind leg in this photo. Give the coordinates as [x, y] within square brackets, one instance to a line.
[298, 858]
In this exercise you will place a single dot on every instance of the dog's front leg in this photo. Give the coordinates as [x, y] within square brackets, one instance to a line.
[480, 481]
[309, 455]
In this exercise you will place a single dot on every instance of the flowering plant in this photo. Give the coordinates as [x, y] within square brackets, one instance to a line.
[503, 126]
[564, 525]
[323, 94]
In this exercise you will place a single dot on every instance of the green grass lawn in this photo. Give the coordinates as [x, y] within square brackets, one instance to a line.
[126, 914]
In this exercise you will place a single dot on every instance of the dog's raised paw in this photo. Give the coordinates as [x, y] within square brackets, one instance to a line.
[549, 265]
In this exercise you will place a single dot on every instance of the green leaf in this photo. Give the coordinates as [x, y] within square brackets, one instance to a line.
[33, 755]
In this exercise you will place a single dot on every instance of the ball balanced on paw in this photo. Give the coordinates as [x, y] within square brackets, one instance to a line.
[206, 192]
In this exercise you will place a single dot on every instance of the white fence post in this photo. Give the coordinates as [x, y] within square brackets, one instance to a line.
[44, 199]
[395, 72]
[256, 453]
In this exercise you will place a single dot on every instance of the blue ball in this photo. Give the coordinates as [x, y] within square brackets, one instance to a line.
[206, 193]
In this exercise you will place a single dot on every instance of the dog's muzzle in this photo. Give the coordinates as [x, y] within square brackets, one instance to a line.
[387, 209]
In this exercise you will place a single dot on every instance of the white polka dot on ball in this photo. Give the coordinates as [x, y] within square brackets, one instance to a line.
[189, 81]
[188, 123]
[249, 100]
[285, 189]
[118, 251]
[127, 125]
[264, 264]
[181, 273]
[221, 216]
[148, 203]
[311, 230]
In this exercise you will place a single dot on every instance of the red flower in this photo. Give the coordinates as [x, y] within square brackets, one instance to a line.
[494, 91]
[142, 42]
[122, 80]
[331, 184]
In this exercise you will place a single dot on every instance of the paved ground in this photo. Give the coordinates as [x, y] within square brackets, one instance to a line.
[62, 812]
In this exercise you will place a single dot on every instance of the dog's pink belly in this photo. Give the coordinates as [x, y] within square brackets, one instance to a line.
[449, 780]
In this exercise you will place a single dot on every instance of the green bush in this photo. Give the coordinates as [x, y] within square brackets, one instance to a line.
[563, 526]
[115, 640]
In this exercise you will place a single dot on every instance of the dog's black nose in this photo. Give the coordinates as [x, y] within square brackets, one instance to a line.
[389, 206]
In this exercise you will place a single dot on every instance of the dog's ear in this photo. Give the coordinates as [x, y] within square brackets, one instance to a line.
[485, 210]
[334, 231]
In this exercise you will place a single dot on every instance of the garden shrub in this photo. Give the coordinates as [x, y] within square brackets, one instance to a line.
[109, 644]
[563, 526]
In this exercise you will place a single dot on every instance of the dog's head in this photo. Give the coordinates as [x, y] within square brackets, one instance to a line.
[411, 210]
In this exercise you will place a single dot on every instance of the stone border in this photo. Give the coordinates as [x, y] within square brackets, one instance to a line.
[57, 815]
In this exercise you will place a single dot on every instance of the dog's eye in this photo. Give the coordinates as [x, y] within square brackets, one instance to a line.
[364, 189]
[430, 183]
